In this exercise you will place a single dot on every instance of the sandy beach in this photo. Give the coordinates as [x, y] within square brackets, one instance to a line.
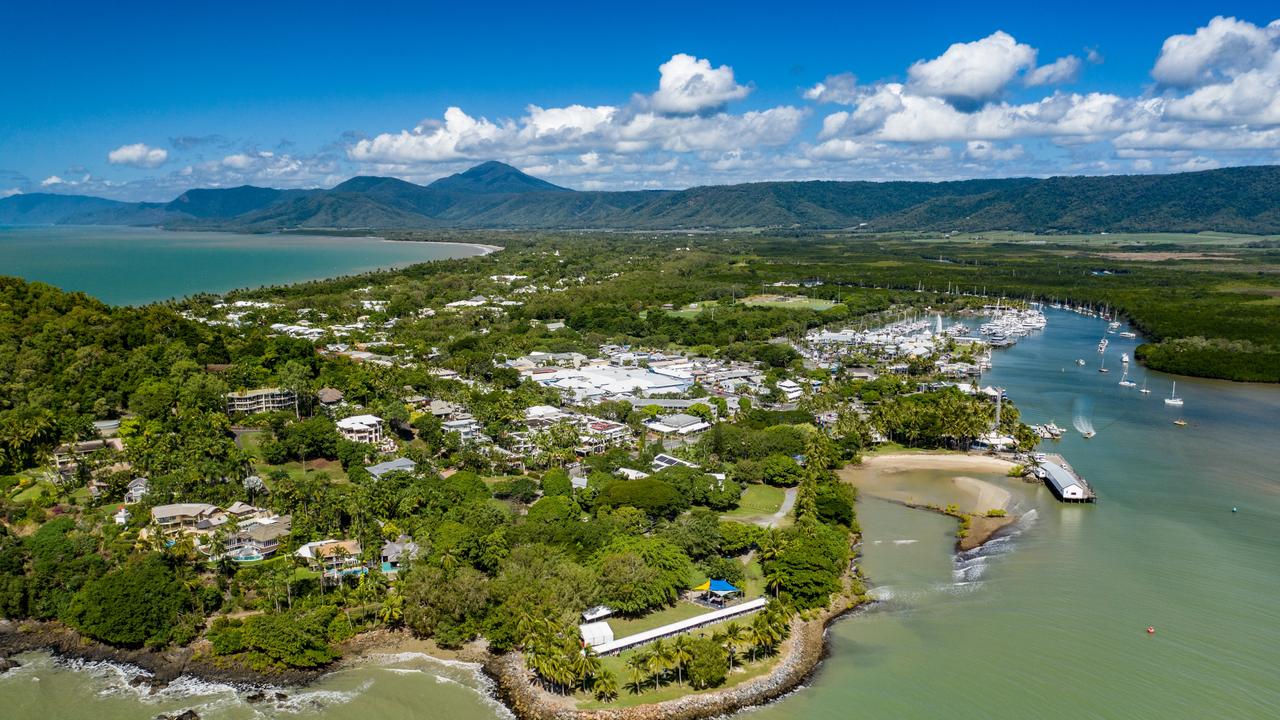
[911, 478]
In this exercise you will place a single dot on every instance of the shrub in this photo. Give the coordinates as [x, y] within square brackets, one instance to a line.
[709, 665]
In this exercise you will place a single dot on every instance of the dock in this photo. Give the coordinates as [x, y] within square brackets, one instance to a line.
[1064, 482]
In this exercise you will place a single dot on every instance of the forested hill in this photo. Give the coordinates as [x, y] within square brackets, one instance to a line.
[494, 195]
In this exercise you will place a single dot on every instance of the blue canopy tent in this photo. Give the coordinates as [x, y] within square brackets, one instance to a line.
[717, 591]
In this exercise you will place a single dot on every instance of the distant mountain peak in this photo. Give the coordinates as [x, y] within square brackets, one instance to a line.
[494, 177]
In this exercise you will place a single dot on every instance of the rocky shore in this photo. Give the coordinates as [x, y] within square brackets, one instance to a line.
[802, 652]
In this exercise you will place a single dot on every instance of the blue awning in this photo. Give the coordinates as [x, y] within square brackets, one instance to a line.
[721, 586]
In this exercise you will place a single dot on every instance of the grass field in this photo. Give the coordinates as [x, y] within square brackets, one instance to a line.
[758, 501]
[251, 441]
[794, 302]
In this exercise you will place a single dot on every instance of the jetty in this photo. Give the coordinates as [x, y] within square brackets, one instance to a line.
[1065, 483]
[648, 636]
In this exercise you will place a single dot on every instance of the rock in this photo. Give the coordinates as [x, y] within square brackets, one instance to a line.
[137, 680]
[7, 664]
[184, 715]
[256, 697]
[281, 697]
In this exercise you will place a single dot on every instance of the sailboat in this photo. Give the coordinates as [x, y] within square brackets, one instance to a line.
[1103, 367]
[1144, 389]
[1125, 381]
[1124, 358]
[1173, 398]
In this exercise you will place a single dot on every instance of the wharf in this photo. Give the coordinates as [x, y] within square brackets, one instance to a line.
[1065, 483]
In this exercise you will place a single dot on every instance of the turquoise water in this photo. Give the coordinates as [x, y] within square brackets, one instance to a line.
[1046, 623]
[129, 266]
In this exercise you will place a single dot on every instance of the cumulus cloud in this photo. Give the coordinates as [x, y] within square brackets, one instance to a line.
[687, 84]
[988, 151]
[1064, 70]
[841, 89]
[52, 181]
[1222, 49]
[138, 155]
[972, 72]
[9, 192]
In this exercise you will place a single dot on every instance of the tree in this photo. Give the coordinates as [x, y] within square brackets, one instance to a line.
[447, 602]
[135, 604]
[681, 654]
[649, 572]
[709, 665]
[556, 482]
[655, 497]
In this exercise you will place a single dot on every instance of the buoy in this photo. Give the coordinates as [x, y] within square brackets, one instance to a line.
[1151, 630]
[1235, 509]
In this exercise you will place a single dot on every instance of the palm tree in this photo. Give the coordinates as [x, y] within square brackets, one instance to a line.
[774, 579]
[733, 636]
[392, 611]
[681, 655]
[659, 660]
[638, 666]
[605, 685]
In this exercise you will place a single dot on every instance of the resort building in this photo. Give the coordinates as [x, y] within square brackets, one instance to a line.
[249, 402]
[136, 490]
[677, 424]
[181, 518]
[361, 428]
[332, 557]
[383, 468]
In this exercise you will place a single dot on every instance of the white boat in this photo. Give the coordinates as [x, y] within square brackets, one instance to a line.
[1144, 389]
[1102, 345]
[1103, 367]
[1080, 362]
[1128, 335]
[1126, 382]
[1173, 398]
[1124, 358]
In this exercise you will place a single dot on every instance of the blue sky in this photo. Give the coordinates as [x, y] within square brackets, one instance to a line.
[140, 101]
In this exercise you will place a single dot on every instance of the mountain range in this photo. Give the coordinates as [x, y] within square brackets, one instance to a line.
[495, 195]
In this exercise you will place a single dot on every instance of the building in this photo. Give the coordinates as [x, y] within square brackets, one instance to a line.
[180, 518]
[136, 490]
[329, 397]
[122, 516]
[468, 429]
[397, 552]
[261, 400]
[333, 557]
[662, 461]
[1066, 486]
[383, 468]
[258, 539]
[790, 390]
[596, 633]
[361, 428]
[677, 424]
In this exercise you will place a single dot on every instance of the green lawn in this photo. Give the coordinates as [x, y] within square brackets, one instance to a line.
[792, 302]
[680, 611]
[758, 500]
[670, 690]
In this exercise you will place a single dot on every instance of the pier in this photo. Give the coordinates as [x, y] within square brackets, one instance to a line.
[1065, 483]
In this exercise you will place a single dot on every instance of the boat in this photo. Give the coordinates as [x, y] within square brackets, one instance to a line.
[1124, 358]
[1144, 389]
[1103, 367]
[1125, 381]
[1102, 345]
[1128, 334]
[1088, 435]
[1180, 422]
[1173, 398]
[1080, 362]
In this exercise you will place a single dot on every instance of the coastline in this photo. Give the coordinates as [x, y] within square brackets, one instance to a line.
[980, 496]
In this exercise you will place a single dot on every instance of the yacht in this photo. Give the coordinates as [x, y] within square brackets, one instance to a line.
[1180, 422]
[1128, 334]
[1124, 358]
[1103, 367]
[1125, 381]
[1102, 345]
[1080, 362]
[1173, 398]
[1144, 389]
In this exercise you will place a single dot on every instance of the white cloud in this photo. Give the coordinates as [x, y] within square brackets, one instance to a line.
[1065, 69]
[687, 84]
[138, 155]
[842, 89]
[988, 151]
[974, 71]
[52, 181]
[1222, 49]
[10, 192]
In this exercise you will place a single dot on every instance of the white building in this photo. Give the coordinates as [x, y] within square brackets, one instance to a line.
[260, 400]
[361, 428]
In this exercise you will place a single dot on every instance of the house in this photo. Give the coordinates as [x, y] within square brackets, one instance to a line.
[442, 408]
[240, 512]
[600, 435]
[258, 539]
[397, 552]
[136, 490]
[677, 424]
[122, 516]
[596, 633]
[261, 400]
[1064, 484]
[180, 518]
[662, 461]
[790, 390]
[398, 465]
[467, 428]
[333, 557]
[361, 428]
[329, 397]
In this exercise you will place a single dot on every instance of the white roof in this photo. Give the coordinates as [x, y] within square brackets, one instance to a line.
[357, 422]
[596, 633]
[676, 627]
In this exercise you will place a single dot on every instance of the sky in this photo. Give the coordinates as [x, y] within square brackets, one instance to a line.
[141, 101]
